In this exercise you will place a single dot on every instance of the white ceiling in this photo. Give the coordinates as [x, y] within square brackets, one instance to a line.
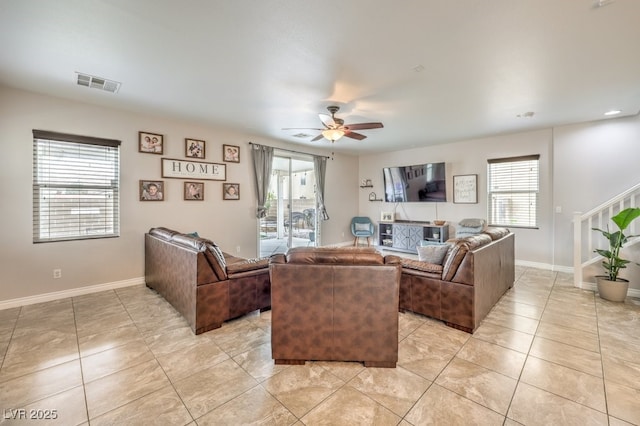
[431, 71]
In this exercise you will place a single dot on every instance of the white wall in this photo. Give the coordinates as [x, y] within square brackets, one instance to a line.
[27, 267]
[581, 166]
[463, 158]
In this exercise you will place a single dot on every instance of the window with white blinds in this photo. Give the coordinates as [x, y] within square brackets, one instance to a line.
[513, 184]
[75, 187]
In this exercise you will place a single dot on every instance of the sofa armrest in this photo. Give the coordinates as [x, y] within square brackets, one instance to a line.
[392, 259]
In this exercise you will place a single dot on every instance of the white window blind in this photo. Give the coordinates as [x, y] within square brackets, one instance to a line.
[513, 191]
[75, 187]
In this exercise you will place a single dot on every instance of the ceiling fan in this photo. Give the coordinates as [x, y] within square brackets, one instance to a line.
[334, 128]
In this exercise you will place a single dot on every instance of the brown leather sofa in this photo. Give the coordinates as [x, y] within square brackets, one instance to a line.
[475, 273]
[204, 284]
[335, 304]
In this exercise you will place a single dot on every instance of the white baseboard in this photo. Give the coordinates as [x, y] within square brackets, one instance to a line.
[47, 297]
[545, 266]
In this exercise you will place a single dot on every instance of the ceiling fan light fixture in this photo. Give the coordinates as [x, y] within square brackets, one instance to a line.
[332, 134]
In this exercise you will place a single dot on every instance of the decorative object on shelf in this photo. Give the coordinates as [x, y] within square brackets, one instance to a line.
[189, 169]
[386, 216]
[465, 189]
[150, 143]
[230, 191]
[372, 196]
[231, 153]
[151, 190]
[439, 222]
[194, 148]
[610, 286]
[366, 183]
[194, 191]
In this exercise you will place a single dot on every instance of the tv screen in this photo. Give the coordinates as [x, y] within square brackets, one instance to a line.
[424, 182]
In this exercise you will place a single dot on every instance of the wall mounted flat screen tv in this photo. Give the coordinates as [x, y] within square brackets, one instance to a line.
[423, 182]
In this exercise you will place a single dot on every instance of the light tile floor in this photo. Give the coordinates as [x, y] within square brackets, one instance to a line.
[547, 354]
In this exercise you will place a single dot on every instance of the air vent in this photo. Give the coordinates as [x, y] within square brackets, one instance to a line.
[98, 83]
[301, 135]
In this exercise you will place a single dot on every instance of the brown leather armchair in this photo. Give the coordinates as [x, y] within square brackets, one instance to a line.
[335, 304]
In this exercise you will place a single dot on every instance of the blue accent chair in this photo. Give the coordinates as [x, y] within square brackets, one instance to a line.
[361, 227]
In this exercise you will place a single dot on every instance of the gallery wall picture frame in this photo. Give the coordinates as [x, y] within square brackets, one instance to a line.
[230, 191]
[151, 190]
[194, 148]
[194, 191]
[231, 153]
[465, 189]
[150, 143]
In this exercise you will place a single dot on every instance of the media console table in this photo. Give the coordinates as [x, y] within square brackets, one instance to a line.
[406, 235]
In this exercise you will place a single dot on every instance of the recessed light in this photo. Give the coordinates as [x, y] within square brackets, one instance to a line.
[612, 112]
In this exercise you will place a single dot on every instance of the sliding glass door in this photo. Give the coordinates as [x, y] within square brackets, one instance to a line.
[291, 219]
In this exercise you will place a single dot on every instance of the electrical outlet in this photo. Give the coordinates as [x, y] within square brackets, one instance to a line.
[238, 249]
[57, 273]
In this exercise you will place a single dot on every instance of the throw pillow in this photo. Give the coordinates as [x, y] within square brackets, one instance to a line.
[362, 226]
[472, 223]
[194, 234]
[433, 253]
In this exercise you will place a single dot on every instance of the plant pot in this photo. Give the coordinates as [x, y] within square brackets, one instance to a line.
[613, 291]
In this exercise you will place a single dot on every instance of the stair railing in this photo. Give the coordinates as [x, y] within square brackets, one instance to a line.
[585, 240]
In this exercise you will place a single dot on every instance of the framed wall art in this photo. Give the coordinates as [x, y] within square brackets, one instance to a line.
[230, 191]
[151, 190]
[231, 153]
[386, 216]
[150, 143]
[465, 189]
[194, 191]
[190, 169]
[194, 148]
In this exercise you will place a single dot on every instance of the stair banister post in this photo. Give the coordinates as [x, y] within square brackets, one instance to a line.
[577, 249]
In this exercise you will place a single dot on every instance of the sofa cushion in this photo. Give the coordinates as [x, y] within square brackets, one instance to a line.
[496, 233]
[162, 233]
[472, 223]
[418, 265]
[198, 244]
[475, 241]
[248, 265]
[433, 253]
[335, 255]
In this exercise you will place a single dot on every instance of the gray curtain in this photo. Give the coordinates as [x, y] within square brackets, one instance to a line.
[262, 165]
[320, 168]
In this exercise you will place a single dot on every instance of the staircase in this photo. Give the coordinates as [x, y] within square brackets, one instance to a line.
[585, 240]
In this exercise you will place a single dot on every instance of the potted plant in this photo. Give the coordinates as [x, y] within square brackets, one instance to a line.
[610, 286]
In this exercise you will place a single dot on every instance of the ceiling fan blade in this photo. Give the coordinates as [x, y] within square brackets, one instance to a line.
[317, 138]
[327, 120]
[363, 126]
[354, 135]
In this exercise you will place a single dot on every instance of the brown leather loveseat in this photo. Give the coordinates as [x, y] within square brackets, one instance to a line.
[335, 304]
[476, 272]
[204, 284]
